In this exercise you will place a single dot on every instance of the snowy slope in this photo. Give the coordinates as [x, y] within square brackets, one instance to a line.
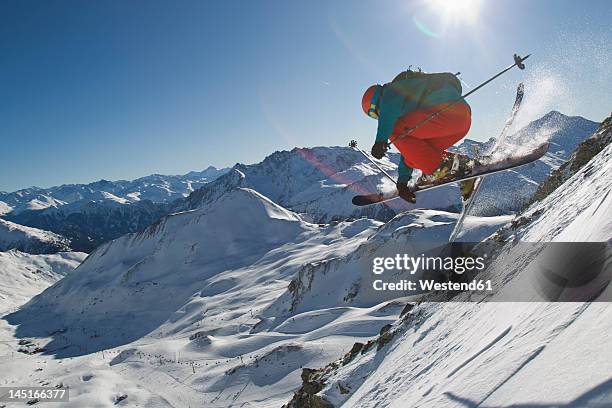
[206, 291]
[90, 223]
[224, 303]
[24, 275]
[191, 287]
[564, 134]
[31, 240]
[199, 310]
[582, 155]
[415, 232]
[488, 354]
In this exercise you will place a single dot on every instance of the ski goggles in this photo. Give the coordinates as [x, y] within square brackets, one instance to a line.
[373, 110]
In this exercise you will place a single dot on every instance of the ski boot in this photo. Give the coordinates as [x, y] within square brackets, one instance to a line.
[452, 167]
[406, 193]
[467, 188]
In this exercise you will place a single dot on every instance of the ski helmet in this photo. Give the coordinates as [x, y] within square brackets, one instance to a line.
[370, 101]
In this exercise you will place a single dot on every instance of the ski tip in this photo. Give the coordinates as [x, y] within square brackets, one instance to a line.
[362, 200]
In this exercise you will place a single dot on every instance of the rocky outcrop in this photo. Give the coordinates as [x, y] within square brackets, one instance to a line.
[585, 151]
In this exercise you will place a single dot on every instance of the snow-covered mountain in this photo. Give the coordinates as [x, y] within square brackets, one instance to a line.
[237, 300]
[91, 214]
[24, 275]
[31, 240]
[585, 151]
[481, 354]
[320, 182]
[510, 191]
[156, 188]
[317, 183]
[88, 224]
[207, 291]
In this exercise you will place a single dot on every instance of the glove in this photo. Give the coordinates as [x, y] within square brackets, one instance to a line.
[405, 192]
[379, 149]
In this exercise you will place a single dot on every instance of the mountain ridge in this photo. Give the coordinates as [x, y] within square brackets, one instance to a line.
[155, 187]
[318, 183]
[32, 240]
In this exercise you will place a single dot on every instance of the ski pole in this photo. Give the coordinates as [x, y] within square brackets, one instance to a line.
[353, 144]
[518, 62]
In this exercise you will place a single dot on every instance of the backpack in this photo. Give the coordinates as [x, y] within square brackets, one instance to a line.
[435, 81]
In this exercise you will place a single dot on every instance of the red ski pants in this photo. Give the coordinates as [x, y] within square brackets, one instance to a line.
[422, 149]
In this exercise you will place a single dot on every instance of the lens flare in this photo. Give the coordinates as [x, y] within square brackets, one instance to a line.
[424, 28]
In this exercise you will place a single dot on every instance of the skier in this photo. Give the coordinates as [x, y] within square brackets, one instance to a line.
[404, 104]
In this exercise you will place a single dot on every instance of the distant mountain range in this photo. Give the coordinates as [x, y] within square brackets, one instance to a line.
[317, 183]
[156, 188]
[90, 214]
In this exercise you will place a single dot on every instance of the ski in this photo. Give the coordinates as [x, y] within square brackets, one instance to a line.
[468, 204]
[477, 172]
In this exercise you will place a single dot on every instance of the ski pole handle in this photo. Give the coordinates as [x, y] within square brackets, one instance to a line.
[353, 145]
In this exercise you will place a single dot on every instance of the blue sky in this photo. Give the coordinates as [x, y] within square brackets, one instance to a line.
[121, 89]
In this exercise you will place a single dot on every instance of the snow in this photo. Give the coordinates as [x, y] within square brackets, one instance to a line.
[33, 240]
[206, 291]
[157, 188]
[488, 354]
[321, 181]
[112, 197]
[588, 188]
[24, 275]
[225, 301]
[5, 208]
[317, 183]
[91, 214]
[564, 133]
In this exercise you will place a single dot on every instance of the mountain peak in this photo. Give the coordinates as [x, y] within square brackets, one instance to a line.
[244, 209]
[239, 217]
[557, 117]
[554, 113]
[250, 197]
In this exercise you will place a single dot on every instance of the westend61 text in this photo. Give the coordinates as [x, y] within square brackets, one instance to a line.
[428, 285]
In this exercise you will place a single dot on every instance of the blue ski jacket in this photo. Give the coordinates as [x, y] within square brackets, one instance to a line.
[408, 92]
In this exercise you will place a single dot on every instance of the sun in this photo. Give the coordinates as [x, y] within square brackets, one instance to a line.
[457, 10]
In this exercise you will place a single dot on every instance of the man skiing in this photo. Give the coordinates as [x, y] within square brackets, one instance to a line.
[405, 104]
